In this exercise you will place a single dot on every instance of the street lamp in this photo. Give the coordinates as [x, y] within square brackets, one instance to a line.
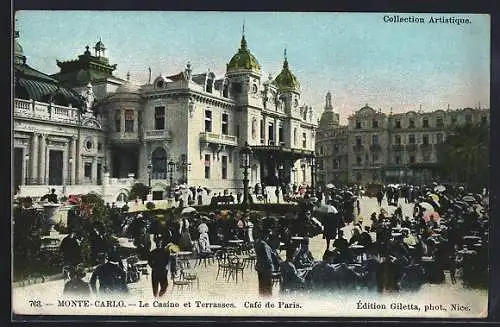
[27, 158]
[245, 154]
[171, 167]
[313, 173]
[280, 174]
[293, 174]
[150, 168]
[186, 166]
[303, 167]
[70, 169]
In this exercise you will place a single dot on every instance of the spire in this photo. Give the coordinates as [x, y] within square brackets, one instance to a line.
[243, 41]
[285, 63]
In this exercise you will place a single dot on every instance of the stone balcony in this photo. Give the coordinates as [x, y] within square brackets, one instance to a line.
[214, 138]
[157, 134]
[46, 111]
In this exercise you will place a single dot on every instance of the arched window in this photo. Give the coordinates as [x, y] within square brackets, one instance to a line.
[159, 162]
[295, 136]
[209, 87]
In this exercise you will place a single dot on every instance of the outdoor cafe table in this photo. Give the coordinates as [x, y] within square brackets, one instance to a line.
[235, 241]
[182, 258]
[358, 250]
[215, 247]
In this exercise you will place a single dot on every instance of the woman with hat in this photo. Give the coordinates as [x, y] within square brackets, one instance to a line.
[76, 286]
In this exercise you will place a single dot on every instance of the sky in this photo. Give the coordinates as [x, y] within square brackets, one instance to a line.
[358, 57]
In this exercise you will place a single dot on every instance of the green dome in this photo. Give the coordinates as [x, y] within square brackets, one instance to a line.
[243, 59]
[286, 81]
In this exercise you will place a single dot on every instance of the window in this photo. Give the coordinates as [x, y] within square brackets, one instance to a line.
[336, 164]
[236, 89]
[425, 140]
[454, 120]
[209, 87]
[129, 121]
[375, 139]
[397, 160]
[294, 136]
[412, 159]
[439, 122]
[224, 167]
[359, 142]
[99, 146]
[439, 138]
[375, 157]
[159, 118]
[359, 160]
[304, 140]
[118, 123]
[468, 118]
[358, 177]
[281, 136]
[208, 121]
[225, 91]
[358, 124]
[87, 170]
[270, 130]
[320, 164]
[426, 157]
[225, 124]
[411, 123]
[484, 119]
[411, 139]
[321, 150]
[397, 139]
[425, 122]
[398, 123]
[238, 131]
[335, 148]
[375, 123]
[207, 166]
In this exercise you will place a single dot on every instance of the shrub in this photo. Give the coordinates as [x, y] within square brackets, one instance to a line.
[125, 208]
[139, 190]
[150, 205]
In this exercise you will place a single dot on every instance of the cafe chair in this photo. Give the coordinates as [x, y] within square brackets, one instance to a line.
[222, 264]
[236, 266]
[179, 282]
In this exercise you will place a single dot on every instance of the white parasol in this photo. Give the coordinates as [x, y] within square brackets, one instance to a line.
[326, 209]
[188, 210]
[330, 185]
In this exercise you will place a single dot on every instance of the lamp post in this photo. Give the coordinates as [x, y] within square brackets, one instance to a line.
[171, 167]
[280, 175]
[245, 154]
[303, 167]
[150, 168]
[186, 166]
[293, 174]
[70, 169]
[313, 173]
[27, 158]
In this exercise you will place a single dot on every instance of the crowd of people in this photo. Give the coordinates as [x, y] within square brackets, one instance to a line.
[389, 251]
[448, 231]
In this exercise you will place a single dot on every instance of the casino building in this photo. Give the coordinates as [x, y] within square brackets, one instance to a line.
[85, 129]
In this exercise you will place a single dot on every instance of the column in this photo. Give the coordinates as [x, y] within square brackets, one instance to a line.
[65, 177]
[42, 157]
[25, 172]
[276, 132]
[94, 171]
[266, 130]
[122, 121]
[109, 162]
[74, 159]
[34, 157]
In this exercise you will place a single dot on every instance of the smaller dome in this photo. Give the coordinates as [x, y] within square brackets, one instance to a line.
[99, 45]
[128, 87]
[286, 81]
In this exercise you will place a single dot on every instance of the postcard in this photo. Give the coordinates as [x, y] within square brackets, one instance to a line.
[250, 164]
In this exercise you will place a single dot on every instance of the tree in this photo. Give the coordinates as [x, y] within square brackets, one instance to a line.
[139, 190]
[465, 155]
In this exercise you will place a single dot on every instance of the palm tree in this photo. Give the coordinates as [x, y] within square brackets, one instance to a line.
[464, 156]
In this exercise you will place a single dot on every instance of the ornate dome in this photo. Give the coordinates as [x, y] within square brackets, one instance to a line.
[244, 59]
[286, 81]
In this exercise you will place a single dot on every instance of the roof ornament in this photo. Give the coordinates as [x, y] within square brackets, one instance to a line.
[285, 63]
[88, 98]
[128, 76]
[188, 71]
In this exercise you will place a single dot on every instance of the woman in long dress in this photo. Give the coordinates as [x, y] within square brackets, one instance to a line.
[185, 242]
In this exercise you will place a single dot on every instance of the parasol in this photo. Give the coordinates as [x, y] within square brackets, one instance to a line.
[426, 206]
[434, 216]
[469, 199]
[326, 209]
[440, 188]
[188, 210]
[330, 185]
[434, 197]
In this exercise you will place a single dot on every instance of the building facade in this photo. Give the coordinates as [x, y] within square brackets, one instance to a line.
[378, 148]
[85, 128]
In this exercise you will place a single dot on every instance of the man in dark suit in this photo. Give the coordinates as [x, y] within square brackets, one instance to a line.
[158, 260]
[112, 278]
